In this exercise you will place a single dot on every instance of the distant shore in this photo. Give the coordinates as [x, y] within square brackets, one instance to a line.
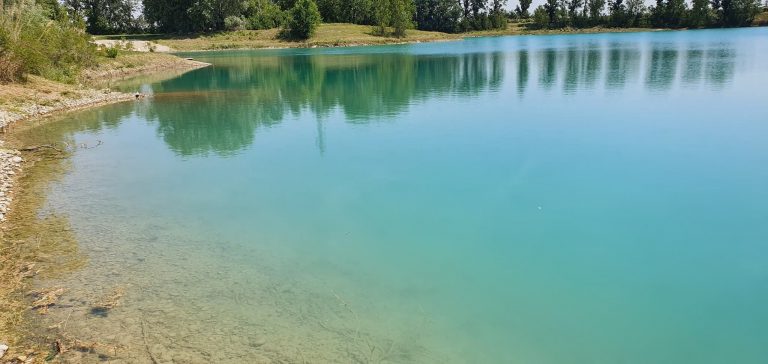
[332, 35]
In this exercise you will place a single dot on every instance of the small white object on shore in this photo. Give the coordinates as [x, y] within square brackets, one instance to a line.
[3, 349]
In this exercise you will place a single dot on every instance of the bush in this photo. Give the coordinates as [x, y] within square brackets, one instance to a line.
[111, 52]
[232, 23]
[304, 19]
[264, 14]
[31, 42]
[540, 18]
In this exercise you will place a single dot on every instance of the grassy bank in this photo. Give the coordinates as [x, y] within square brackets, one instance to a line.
[334, 35]
[327, 35]
[345, 35]
[37, 96]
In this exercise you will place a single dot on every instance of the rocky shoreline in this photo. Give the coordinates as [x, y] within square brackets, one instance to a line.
[90, 99]
[10, 163]
[11, 160]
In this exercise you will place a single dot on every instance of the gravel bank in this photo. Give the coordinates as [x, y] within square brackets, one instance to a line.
[11, 160]
[87, 99]
[10, 163]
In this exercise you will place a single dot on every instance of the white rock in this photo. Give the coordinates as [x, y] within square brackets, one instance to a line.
[16, 159]
[3, 349]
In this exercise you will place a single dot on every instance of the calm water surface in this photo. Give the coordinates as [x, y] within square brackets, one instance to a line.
[550, 199]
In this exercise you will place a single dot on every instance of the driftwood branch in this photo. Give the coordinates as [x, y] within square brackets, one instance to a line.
[34, 148]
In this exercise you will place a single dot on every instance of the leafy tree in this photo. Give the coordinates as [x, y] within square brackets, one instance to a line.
[208, 15]
[438, 15]
[573, 9]
[498, 19]
[358, 12]
[304, 19]
[635, 12]
[617, 11]
[477, 6]
[541, 17]
[675, 11]
[396, 14]
[168, 15]
[401, 14]
[595, 10]
[522, 9]
[551, 7]
[104, 16]
[263, 14]
[658, 14]
[738, 13]
[699, 15]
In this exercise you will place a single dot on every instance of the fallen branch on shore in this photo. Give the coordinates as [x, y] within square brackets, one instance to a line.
[35, 148]
[52, 146]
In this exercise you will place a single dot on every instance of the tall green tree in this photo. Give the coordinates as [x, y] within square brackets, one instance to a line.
[573, 9]
[397, 14]
[168, 15]
[438, 15]
[209, 15]
[498, 18]
[617, 11]
[552, 7]
[595, 10]
[635, 11]
[104, 16]
[699, 16]
[674, 13]
[522, 8]
[304, 19]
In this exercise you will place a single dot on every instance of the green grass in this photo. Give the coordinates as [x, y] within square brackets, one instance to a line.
[331, 35]
[327, 35]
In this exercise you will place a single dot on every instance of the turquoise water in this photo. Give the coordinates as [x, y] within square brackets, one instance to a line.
[593, 198]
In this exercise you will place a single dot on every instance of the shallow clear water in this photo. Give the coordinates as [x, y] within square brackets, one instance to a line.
[549, 199]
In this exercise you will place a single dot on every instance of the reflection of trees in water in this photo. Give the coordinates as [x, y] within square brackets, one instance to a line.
[240, 95]
[548, 71]
[582, 67]
[522, 71]
[217, 122]
[622, 64]
[662, 68]
[219, 109]
[721, 63]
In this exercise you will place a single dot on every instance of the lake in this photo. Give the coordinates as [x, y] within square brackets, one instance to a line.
[596, 198]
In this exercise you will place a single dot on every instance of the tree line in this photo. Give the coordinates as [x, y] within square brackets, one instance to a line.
[187, 16]
[634, 13]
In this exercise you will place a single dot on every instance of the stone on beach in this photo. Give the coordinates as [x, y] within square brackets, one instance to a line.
[10, 162]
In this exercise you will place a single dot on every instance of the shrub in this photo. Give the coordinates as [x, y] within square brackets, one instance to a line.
[540, 18]
[304, 19]
[32, 42]
[234, 23]
[111, 52]
[264, 14]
